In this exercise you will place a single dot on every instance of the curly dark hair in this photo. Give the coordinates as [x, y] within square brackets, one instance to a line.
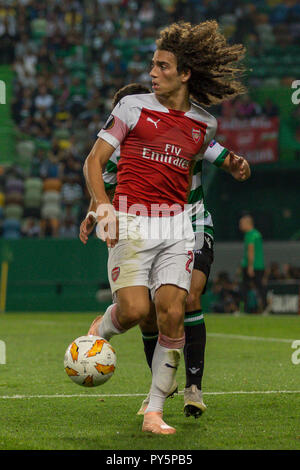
[215, 65]
[132, 89]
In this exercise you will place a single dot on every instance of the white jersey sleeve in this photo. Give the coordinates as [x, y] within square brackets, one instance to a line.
[122, 120]
[198, 113]
[215, 153]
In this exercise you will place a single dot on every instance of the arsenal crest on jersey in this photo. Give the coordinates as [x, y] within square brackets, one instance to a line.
[115, 273]
[196, 133]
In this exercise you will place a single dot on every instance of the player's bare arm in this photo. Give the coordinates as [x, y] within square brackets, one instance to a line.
[237, 166]
[93, 169]
[88, 224]
[90, 220]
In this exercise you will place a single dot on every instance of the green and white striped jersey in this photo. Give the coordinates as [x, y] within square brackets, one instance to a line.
[200, 217]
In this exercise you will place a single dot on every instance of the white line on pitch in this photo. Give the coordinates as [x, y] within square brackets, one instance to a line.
[251, 338]
[117, 395]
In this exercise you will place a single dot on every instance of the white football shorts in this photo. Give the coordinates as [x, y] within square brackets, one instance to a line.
[152, 251]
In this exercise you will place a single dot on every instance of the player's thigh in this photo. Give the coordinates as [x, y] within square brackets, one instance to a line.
[170, 307]
[246, 280]
[258, 278]
[133, 302]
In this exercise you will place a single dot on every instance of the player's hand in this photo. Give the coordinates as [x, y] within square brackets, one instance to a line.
[239, 167]
[108, 225]
[86, 228]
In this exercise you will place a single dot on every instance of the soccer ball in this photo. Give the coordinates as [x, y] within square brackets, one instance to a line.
[90, 361]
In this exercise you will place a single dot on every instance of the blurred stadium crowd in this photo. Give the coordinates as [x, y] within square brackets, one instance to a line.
[69, 59]
[227, 289]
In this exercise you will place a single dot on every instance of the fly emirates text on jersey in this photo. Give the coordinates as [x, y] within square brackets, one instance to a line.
[166, 157]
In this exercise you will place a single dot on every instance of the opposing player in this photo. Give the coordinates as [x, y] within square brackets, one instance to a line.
[194, 325]
[160, 135]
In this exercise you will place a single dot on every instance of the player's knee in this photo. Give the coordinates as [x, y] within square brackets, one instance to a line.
[170, 320]
[133, 311]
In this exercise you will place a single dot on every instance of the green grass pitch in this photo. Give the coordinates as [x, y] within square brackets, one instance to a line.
[41, 408]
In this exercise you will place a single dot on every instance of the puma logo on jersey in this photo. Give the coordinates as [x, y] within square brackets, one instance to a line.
[153, 122]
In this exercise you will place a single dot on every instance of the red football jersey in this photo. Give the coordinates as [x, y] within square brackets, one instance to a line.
[157, 148]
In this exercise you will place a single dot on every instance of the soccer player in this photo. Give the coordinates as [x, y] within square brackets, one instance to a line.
[161, 134]
[252, 264]
[194, 326]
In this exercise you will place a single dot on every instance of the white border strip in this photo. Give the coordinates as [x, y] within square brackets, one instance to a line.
[192, 319]
[119, 395]
[251, 338]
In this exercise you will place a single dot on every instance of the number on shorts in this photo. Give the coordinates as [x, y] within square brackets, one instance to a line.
[189, 261]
